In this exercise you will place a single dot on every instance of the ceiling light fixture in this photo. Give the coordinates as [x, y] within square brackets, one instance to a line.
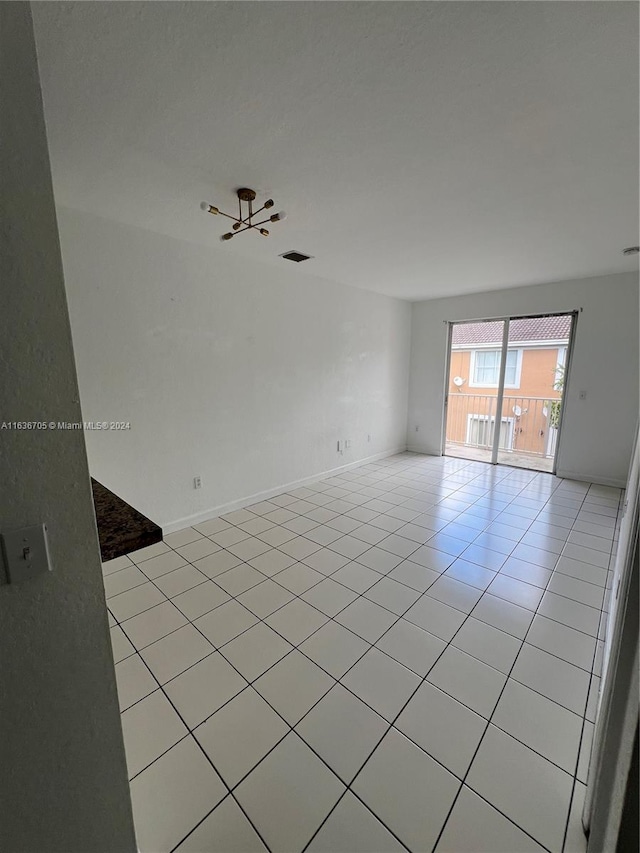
[246, 223]
[632, 250]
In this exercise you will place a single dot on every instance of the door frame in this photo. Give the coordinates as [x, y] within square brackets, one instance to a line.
[573, 314]
[495, 450]
[447, 370]
[565, 385]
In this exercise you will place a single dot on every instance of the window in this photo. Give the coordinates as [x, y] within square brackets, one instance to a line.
[485, 368]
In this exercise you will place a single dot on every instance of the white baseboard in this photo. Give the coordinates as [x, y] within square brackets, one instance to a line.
[413, 449]
[214, 512]
[592, 478]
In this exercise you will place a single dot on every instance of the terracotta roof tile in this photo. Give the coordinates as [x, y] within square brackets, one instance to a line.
[527, 329]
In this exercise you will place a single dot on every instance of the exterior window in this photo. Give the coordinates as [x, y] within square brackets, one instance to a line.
[485, 368]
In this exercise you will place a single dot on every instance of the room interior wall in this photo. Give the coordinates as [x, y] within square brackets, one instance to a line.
[597, 432]
[63, 774]
[240, 373]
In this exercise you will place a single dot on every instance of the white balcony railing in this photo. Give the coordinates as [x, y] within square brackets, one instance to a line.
[528, 425]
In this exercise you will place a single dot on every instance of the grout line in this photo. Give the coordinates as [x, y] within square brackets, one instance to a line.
[190, 734]
[291, 729]
[235, 597]
[574, 775]
[362, 595]
[400, 712]
[584, 719]
[485, 732]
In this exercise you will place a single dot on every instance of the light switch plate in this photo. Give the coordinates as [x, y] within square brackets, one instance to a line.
[26, 553]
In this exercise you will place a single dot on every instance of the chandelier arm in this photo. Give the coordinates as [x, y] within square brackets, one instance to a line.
[255, 224]
[254, 213]
[246, 228]
[228, 215]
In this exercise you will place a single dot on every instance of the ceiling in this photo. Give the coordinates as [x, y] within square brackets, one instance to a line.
[421, 149]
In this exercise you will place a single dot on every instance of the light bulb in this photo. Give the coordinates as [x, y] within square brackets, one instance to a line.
[227, 236]
[204, 205]
[278, 217]
[269, 203]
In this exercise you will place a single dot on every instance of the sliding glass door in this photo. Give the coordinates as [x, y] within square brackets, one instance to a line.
[505, 385]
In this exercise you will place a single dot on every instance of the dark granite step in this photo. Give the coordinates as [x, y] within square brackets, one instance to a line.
[121, 528]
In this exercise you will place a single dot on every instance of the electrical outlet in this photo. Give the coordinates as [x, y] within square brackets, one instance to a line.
[347, 443]
[368, 438]
[197, 482]
[583, 395]
[417, 427]
[339, 446]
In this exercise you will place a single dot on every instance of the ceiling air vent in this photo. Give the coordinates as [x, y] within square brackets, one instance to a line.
[295, 256]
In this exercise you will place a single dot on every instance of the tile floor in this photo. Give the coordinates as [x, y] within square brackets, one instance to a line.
[405, 656]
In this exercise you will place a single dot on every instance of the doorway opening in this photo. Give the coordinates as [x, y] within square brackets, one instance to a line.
[505, 384]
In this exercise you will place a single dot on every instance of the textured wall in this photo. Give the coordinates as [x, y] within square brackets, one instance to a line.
[62, 768]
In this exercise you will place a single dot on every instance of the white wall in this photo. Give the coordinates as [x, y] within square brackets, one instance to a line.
[63, 775]
[597, 432]
[226, 368]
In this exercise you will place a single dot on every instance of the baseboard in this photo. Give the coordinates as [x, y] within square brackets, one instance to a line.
[413, 449]
[214, 512]
[588, 478]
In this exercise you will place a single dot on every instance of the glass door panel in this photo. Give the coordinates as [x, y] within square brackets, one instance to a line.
[475, 359]
[533, 390]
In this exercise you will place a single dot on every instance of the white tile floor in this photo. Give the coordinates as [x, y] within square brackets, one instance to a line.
[401, 657]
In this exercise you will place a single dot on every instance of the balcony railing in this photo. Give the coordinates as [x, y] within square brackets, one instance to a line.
[528, 425]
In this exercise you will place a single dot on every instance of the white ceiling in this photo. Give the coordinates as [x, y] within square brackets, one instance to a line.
[421, 149]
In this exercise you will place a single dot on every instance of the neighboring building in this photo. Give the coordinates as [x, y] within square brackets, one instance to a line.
[536, 359]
